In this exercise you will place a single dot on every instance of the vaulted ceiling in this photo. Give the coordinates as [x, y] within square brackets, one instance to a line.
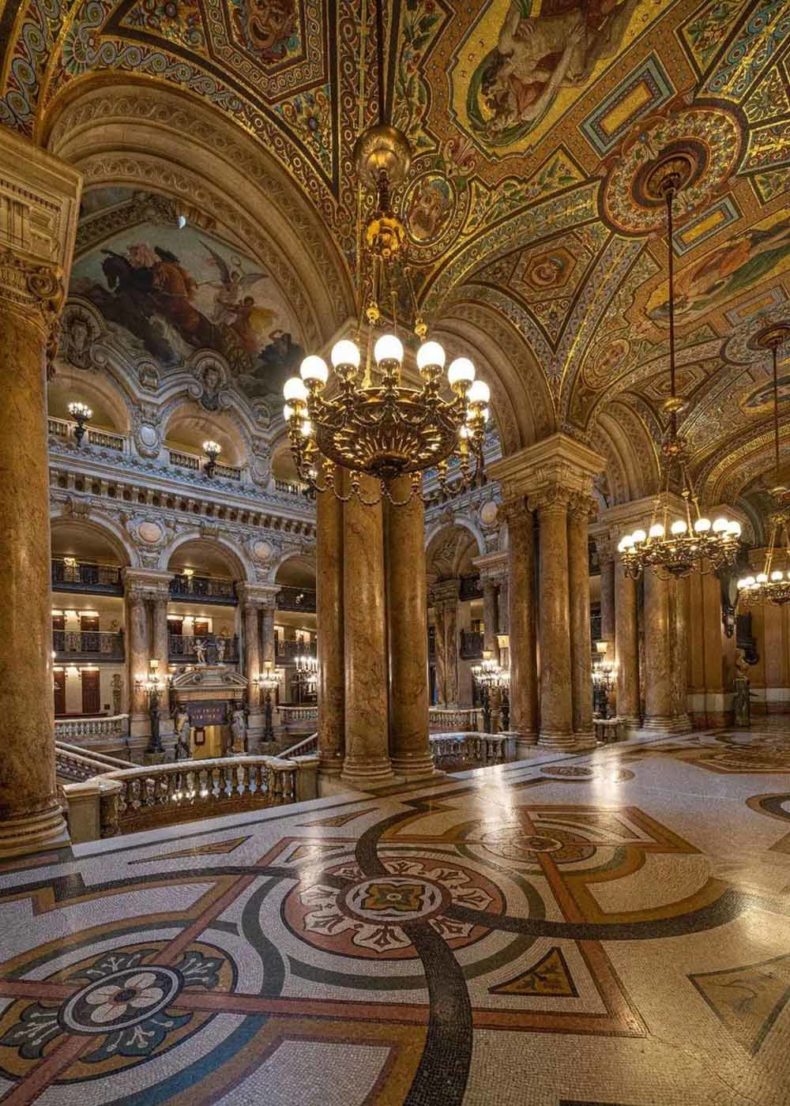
[530, 122]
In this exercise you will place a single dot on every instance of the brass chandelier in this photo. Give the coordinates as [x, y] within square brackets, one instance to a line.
[677, 542]
[772, 585]
[369, 421]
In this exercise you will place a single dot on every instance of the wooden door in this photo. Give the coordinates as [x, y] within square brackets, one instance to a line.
[91, 698]
[60, 692]
[58, 633]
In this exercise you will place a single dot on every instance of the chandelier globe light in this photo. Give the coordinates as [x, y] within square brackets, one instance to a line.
[361, 414]
[677, 542]
[772, 585]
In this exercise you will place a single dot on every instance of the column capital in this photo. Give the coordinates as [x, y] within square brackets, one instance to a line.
[146, 583]
[260, 596]
[39, 209]
[604, 543]
[493, 567]
[557, 461]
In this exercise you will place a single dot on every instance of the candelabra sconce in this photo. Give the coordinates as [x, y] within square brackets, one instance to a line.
[306, 667]
[269, 681]
[153, 685]
[493, 681]
[603, 680]
[82, 414]
[212, 451]
[188, 573]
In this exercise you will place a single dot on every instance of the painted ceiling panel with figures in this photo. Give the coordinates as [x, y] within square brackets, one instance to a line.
[531, 123]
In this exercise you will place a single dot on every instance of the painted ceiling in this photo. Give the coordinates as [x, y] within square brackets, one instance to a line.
[531, 122]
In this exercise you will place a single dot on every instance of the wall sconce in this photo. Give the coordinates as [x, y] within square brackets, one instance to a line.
[212, 451]
[73, 672]
[82, 414]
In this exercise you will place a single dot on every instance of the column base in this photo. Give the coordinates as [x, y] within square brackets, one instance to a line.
[363, 773]
[673, 724]
[551, 740]
[418, 766]
[32, 833]
[585, 741]
[630, 725]
[525, 743]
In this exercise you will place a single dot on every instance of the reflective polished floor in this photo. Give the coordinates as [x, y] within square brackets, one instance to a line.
[608, 928]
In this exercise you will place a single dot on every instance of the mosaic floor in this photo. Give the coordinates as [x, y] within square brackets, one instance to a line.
[610, 928]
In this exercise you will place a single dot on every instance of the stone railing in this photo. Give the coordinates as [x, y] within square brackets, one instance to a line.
[307, 747]
[131, 799]
[92, 729]
[74, 764]
[297, 719]
[289, 488]
[287, 650]
[194, 463]
[453, 719]
[472, 750]
[104, 439]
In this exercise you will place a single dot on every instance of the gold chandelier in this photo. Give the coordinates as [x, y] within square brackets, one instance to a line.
[772, 585]
[367, 419]
[677, 542]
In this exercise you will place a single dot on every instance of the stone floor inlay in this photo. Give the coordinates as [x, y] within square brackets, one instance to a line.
[609, 928]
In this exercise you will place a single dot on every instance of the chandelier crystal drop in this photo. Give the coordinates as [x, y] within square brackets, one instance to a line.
[361, 414]
[772, 585]
[676, 543]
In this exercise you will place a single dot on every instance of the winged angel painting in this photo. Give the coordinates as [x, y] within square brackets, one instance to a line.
[171, 292]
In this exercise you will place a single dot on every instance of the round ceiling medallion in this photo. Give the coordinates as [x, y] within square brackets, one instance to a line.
[150, 532]
[701, 145]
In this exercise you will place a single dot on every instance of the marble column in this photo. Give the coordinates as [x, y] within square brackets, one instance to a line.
[252, 654]
[256, 601]
[329, 618]
[606, 561]
[490, 617]
[267, 641]
[160, 647]
[367, 760]
[626, 648]
[665, 654]
[556, 697]
[445, 608]
[580, 511]
[138, 654]
[522, 629]
[503, 606]
[407, 605]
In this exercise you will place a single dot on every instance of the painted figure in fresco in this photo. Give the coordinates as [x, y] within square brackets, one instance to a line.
[174, 289]
[536, 56]
[265, 26]
[129, 301]
[428, 209]
[280, 359]
[740, 262]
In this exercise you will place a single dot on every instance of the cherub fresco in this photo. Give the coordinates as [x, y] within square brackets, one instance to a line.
[267, 28]
[536, 56]
[177, 292]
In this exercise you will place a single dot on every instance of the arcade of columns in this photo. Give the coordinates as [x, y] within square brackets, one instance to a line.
[371, 584]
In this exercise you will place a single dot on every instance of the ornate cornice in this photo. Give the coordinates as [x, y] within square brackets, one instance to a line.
[551, 470]
[258, 596]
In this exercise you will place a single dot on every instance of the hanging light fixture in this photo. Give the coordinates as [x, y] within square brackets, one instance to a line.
[772, 585]
[677, 542]
[371, 422]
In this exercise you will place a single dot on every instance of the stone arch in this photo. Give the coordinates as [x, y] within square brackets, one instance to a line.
[462, 521]
[241, 568]
[224, 426]
[304, 562]
[101, 391]
[149, 137]
[101, 528]
[633, 469]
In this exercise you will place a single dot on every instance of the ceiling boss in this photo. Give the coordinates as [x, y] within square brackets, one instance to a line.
[366, 418]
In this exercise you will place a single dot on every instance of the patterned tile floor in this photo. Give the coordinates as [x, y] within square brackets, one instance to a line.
[609, 928]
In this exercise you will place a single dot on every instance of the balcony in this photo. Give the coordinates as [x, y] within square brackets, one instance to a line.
[69, 574]
[286, 487]
[471, 645]
[104, 439]
[181, 648]
[208, 589]
[87, 645]
[288, 651]
[470, 588]
[296, 599]
[194, 463]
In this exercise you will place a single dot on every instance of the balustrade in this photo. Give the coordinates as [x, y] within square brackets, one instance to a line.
[210, 589]
[296, 599]
[290, 650]
[295, 719]
[457, 750]
[104, 439]
[288, 488]
[88, 645]
[74, 764]
[72, 575]
[455, 720]
[193, 462]
[181, 648]
[115, 726]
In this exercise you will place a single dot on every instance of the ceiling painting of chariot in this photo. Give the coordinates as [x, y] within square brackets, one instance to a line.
[168, 292]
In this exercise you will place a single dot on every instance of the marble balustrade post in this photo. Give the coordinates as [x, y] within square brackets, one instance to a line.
[367, 758]
[556, 698]
[581, 509]
[522, 624]
[329, 618]
[407, 604]
[626, 648]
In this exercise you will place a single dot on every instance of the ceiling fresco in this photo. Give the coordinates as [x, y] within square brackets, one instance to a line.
[531, 122]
